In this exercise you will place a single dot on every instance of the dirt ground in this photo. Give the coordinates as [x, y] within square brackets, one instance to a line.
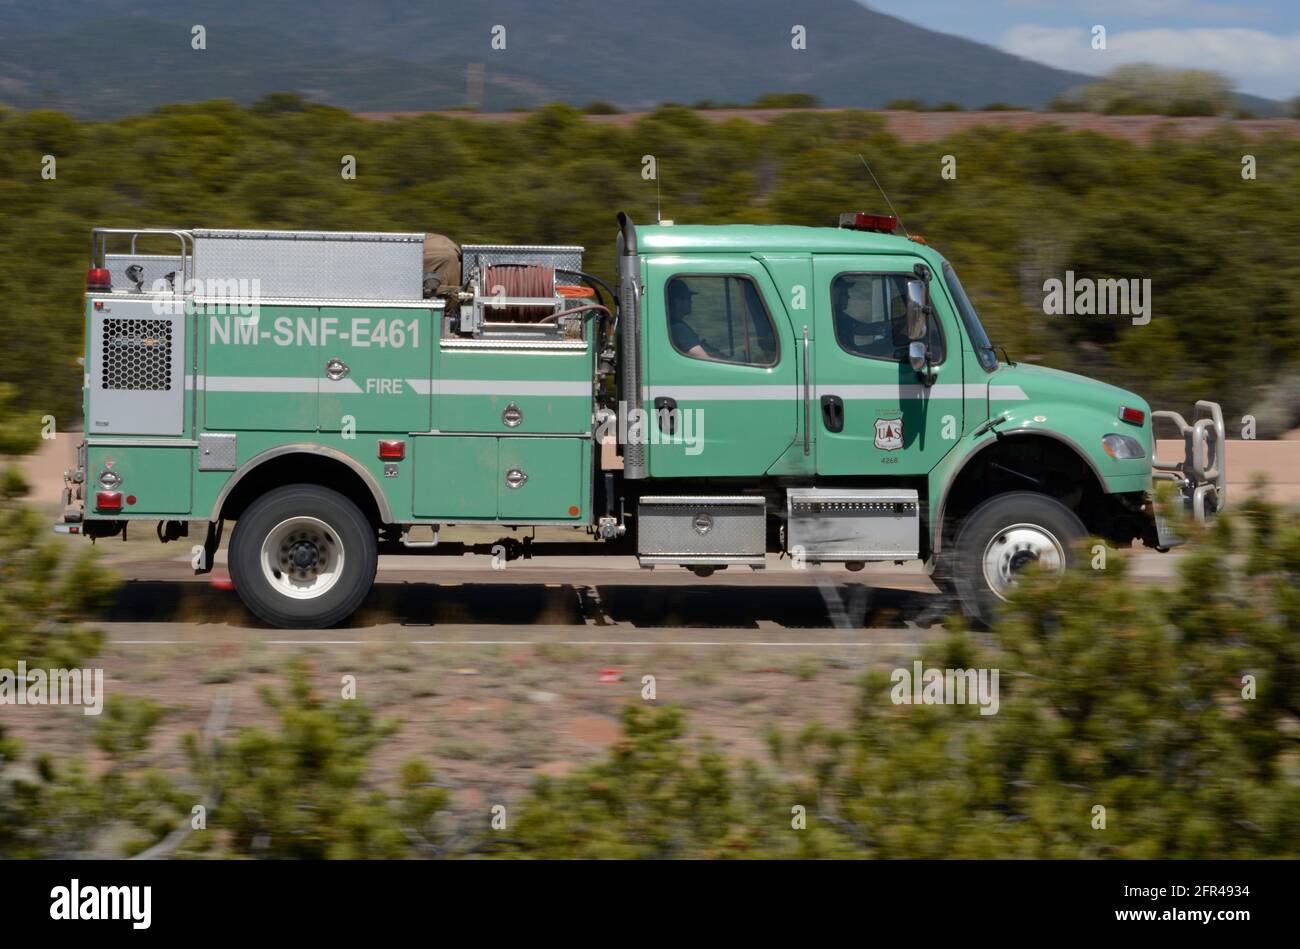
[492, 683]
[487, 716]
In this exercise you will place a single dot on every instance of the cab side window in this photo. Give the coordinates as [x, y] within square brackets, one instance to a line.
[870, 316]
[720, 318]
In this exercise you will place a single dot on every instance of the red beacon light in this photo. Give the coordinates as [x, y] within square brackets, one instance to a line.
[99, 280]
[862, 221]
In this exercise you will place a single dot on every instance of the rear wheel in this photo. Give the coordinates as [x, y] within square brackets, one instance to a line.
[303, 557]
[1002, 537]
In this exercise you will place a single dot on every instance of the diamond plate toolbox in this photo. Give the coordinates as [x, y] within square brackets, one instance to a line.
[853, 523]
[702, 530]
[317, 265]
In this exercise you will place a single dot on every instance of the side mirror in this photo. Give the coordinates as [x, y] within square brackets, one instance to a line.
[918, 324]
[918, 355]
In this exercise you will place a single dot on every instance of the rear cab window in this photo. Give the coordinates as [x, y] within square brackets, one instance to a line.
[720, 318]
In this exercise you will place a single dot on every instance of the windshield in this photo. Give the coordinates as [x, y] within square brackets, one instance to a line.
[974, 328]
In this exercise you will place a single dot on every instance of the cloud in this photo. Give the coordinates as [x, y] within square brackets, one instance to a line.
[1260, 63]
[1148, 9]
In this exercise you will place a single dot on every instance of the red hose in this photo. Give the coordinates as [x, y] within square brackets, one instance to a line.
[518, 280]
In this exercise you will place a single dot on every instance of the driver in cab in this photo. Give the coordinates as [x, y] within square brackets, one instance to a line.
[871, 296]
[679, 308]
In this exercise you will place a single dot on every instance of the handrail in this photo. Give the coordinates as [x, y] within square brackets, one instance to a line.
[99, 247]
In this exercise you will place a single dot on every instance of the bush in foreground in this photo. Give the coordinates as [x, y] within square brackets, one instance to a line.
[1133, 722]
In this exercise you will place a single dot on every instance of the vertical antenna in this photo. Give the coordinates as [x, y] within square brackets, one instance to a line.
[659, 216]
[885, 196]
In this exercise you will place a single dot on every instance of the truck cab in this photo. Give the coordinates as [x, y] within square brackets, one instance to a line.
[744, 393]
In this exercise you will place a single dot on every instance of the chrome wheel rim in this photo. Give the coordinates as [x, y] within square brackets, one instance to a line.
[302, 558]
[1012, 549]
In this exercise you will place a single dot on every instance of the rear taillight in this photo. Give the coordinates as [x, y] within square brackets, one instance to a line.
[98, 280]
[109, 501]
[1132, 416]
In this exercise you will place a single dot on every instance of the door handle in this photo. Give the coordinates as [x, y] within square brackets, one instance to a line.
[833, 413]
[336, 369]
[666, 414]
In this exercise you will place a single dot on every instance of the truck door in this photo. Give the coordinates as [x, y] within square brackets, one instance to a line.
[873, 414]
[721, 372]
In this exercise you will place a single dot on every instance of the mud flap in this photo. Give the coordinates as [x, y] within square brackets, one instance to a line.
[210, 545]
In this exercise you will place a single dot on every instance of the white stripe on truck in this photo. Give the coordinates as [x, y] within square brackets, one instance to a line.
[694, 393]
[287, 384]
[879, 393]
[503, 387]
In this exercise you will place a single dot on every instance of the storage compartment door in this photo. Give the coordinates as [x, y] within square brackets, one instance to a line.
[375, 363]
[543, 388]
[454, 477]
[157, 479]
[137, 368]
[261, 370]
[541, 479]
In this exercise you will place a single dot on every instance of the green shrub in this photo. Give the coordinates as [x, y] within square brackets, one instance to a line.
[1112, 695]
[302, 791]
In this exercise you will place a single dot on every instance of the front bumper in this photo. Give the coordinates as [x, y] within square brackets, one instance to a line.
[1201, 476]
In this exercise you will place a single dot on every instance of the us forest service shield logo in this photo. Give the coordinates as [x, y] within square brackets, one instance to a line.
[889, 434]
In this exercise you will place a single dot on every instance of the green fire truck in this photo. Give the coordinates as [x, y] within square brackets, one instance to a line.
[740, 394]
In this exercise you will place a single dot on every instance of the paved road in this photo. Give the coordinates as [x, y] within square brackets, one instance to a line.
[593, 602]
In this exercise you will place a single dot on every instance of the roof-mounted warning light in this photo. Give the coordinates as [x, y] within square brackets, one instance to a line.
[862, 221]
[99, 280]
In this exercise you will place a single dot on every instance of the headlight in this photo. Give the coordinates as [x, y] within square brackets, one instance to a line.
[1123, 447]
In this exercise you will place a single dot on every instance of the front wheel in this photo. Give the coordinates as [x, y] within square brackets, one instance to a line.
[1002, 537]
[303, 557]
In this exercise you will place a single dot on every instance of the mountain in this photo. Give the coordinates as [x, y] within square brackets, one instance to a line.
[113, 57]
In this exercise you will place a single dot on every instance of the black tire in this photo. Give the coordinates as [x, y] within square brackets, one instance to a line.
[1012, 519]
[329, 526]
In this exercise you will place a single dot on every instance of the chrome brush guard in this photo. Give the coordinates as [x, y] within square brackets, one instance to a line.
[1201, 475]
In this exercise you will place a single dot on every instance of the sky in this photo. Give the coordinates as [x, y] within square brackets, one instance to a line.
[1255, 42]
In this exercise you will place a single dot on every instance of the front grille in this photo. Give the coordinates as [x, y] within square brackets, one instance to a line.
[137, 355]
